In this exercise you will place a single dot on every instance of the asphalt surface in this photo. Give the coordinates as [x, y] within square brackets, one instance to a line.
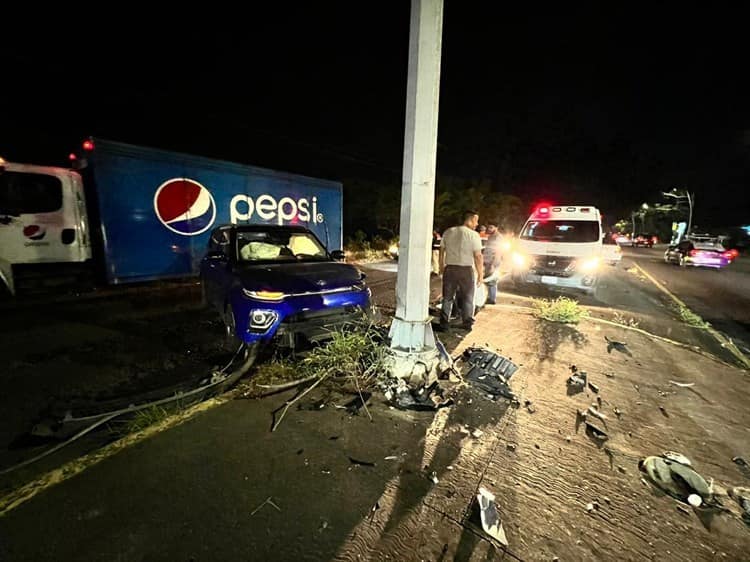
[721, 297]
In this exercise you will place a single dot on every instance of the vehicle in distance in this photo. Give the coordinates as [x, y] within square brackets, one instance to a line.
[703, 251]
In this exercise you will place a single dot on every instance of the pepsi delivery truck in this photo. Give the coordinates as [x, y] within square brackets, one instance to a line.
[132, 214]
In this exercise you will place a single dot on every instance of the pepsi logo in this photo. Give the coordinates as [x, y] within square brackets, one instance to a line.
[34, 232]
[184, 206]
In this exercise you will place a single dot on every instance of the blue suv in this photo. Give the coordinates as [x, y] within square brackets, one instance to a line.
[279, 283]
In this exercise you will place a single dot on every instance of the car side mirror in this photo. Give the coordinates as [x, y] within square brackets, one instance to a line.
[338, 255]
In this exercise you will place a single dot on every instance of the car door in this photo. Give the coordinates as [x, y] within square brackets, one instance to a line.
[214, 267]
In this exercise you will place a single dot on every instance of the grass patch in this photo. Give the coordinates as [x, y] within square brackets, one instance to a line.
[561, 309]
[625, 321]
[358, 352]
[689, 317]
[145, 418]
[277, 372]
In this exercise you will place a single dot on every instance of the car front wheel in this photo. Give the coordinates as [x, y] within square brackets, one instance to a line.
[683, 263]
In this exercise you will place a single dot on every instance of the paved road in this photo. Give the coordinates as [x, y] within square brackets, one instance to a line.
[721, 297]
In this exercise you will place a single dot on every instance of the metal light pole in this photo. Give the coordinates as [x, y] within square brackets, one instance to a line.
[413, 351]
[691, 202]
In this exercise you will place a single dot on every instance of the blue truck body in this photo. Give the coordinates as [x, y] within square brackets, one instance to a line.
[156, 208]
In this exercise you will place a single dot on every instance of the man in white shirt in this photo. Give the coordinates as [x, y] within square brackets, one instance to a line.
[460, 254]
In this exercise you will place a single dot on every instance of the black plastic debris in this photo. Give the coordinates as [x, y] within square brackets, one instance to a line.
[489, 371]
[742, 496]
[743, 466]
[620, 346]
[358, 462]
[355, 405]
[422, 398]
[596, 432]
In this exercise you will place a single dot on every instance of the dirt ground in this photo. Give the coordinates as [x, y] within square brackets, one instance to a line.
[544, 469]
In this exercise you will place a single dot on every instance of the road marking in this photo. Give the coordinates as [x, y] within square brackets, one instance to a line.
[26, 492]
[718, 336]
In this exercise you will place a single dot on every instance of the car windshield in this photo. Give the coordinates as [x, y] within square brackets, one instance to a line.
[561, 231]
[279, 246]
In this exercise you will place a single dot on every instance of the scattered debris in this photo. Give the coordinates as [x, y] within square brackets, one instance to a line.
[360, 463]
[594, 387]
[421, 398]
[683, 509]
[511, 446]
[477, 433]
[355, 405]
[374, 508]
[449, 467]
[664, 411]
[323, 526]
[577, 381]
[529, 406]
[490, 519]
[597, 414]
[677, 457]
[743, 465]
[622, 469]
[620, 346]
[682, 384]
[592, 506]
[325, 471]
[607, 500]
[596, 432]
[333, 437]
[568, 438]
[434, 477]
[269, 500]
[742, 496]
[489, 371]
[391, 458]
[675, 476]
[617, 411]
[609, 375]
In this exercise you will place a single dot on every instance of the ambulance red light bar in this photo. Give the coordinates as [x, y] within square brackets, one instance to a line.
[72, 157]
[542, 210]
[88, 145]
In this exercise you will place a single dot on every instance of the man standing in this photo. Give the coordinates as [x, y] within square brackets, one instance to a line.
[492, 262]
[460, 253]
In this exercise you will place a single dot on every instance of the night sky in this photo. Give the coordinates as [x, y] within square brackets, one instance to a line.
[604, 106]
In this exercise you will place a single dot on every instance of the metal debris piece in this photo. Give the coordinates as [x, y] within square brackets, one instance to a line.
[677, 457]
[511, 446]
[597, 414]
[682, 384]
[357, 462]
[617, 411]
[269, 501]
[477, 433]
[677, 479]
[609, 375]
[490, 519]
[391, 458]
[529, 406]
[593, 387]
[596, 432]
[577, 381]
[434, 477]
[664, 411]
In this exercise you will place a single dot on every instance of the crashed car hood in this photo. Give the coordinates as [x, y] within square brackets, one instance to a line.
[298, 277]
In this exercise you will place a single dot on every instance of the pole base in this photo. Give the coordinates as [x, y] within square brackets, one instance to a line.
[413, 355]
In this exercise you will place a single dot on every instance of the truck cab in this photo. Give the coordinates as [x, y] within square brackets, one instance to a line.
[43, 220]
[560, 246]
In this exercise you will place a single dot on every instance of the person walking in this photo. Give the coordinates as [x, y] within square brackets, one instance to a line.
[460, 254]
[491, 254]
[435, 261]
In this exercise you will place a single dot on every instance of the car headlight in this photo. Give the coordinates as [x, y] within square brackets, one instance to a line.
[271, 296]
[519, 260]
[505, 246]
[261, 320]
[589, 264]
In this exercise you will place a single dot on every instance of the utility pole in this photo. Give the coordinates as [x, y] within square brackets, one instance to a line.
[691, 203]
[413, 352]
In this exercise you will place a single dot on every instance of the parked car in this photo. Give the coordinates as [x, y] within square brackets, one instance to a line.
[611, 251]
[699, 252]
[623, 240]
[279, 284]
[645, 240]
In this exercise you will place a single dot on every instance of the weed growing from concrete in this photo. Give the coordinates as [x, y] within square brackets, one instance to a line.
[625, 321]
[689, 317]
[561, 309]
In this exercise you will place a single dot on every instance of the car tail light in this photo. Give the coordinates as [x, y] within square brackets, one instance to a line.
[654, 240]
[728, 255]
[693, 253]
[734, 253]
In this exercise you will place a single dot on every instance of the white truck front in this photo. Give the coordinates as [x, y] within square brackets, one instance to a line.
[560, 246]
